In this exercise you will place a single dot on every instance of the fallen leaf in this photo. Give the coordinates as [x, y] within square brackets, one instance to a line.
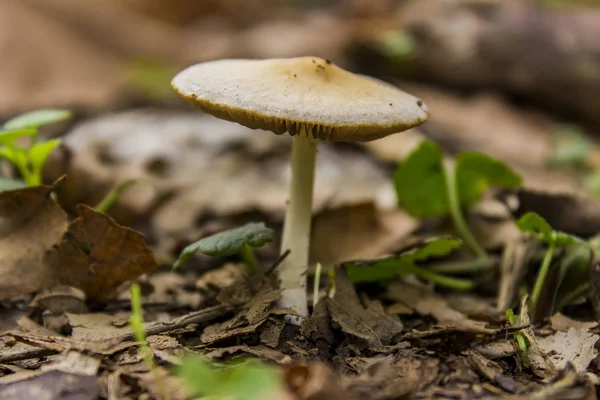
[73, 362]
[561, 322]
[424, 301]
[31, 223]
[375, 329]
[374, 232]
[576, 346]
[97, 255]
[52, 385]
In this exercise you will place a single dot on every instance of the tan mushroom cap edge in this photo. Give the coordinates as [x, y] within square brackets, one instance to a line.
[305, 94]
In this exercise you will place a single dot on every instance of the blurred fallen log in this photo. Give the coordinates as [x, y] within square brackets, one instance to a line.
[547, 55]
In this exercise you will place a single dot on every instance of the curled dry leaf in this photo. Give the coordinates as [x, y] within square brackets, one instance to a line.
[97, 255]
[31, 223]
[575, 346]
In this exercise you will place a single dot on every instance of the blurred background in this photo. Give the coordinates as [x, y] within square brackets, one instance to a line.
[517, 79]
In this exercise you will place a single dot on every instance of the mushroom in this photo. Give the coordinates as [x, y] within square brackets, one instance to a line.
[311, 99]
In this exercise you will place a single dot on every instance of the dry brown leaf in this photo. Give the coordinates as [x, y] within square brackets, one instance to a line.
[367, 325]
[424, 301]
[31, 223]
[97, 255]
[360, 231]
[576, 346]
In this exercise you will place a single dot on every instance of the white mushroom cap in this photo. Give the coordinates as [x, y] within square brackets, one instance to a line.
[293, 95]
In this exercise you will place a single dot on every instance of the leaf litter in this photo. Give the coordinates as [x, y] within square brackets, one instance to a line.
[405, 337]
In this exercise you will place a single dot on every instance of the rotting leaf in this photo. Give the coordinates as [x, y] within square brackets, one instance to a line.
[228, 243]
[372, 328]
[97, 255]
[575, 346]
[400, 263]
[31, 223]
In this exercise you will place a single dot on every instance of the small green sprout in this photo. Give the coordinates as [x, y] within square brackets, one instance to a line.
[405, 263]
[522, 342]
[113, 196]
[536, 225]
[136, 324]
[31, 159]
[571, 147]
[429, 187]
[248, 380]
[235, 241]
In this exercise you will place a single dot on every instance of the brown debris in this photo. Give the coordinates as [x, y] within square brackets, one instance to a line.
[373, 329]
[52, 385]
[97, 255]
[26, 264]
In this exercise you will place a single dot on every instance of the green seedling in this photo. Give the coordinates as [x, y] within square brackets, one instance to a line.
[30, 159]
[405, 263]
[397, 46]
[249, 380]
[228, 243]
[522, 341]
[136, 324]
[534, 224]
[429, 187]
[113, 196]
[571, 148]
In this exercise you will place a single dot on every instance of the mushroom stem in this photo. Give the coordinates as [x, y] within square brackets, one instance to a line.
[296, 230]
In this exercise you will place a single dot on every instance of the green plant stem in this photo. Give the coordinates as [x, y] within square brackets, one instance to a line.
[247, 255]
[111, 198]
[136, 323]
[541, 278]
[462, 267]
[440, 280]
[456, 213]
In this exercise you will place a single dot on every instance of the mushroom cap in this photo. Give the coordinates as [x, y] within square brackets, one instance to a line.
[305, 94]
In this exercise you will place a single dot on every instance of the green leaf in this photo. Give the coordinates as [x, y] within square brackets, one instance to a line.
[8, 137]
[35, 119]
[250, 380]
[475, 172]
[228, 243]
[420, 183]
[40, 152]
[571, 147]
[10, 184]
[536, 225]
[401, 263]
